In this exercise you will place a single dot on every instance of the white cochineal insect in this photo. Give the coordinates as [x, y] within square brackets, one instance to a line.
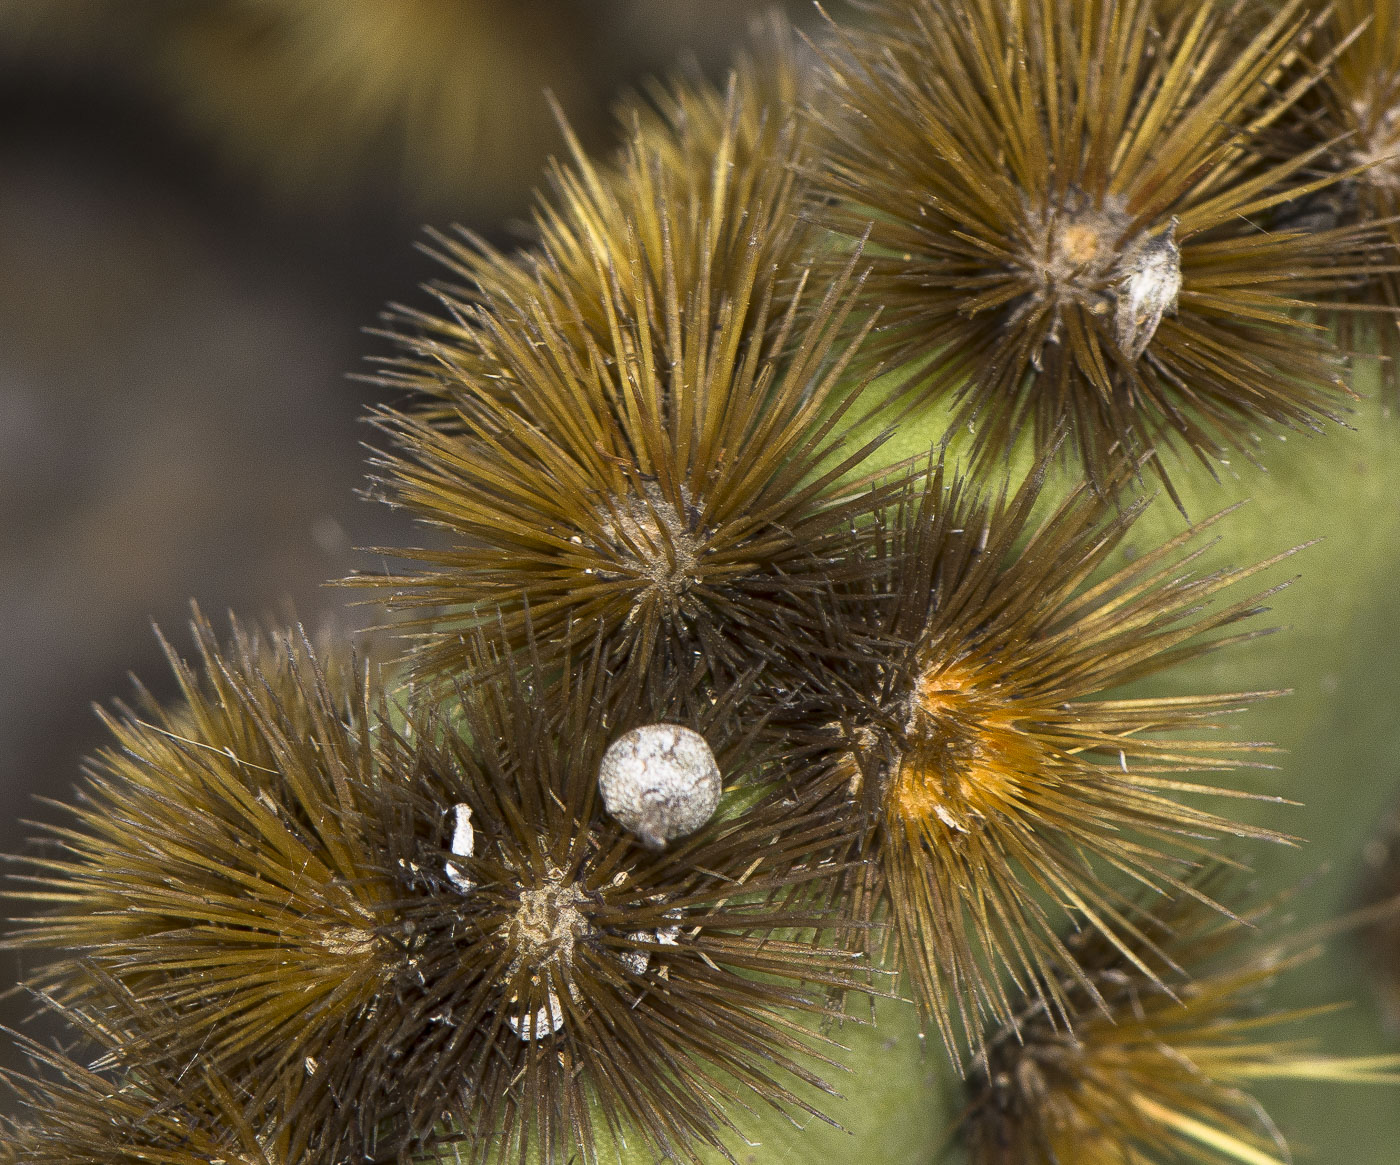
[660, 782]
[547, 1020]
[1148, 291]
[463, 845]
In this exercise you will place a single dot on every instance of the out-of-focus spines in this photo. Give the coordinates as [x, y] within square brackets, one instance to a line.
[705, 178]
[1378, 896]
[1355, 113]
[440, 104]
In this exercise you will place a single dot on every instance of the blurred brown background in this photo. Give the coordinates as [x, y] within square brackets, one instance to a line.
[202, 204]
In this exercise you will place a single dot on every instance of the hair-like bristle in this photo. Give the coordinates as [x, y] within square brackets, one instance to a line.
[1244, 19]
[1063, 209]
[1168, 1031]
[666, 974]
[144, 1106]
[316, 890]
[636, 439]
[687, 120]
[964, 687]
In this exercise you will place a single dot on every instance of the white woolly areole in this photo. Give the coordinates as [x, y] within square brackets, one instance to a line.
[660, 781]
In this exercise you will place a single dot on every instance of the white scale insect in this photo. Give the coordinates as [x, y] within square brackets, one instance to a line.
[463, 845]
[546, 1021]
[1148, 291]
[660, 782]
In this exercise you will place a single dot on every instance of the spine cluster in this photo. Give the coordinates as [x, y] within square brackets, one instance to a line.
[779, 648]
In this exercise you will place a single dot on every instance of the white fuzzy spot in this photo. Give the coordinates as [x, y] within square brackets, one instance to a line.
[546, 1021]
[638, 961]
[949, 820]
[1148, 292]
[463, 845]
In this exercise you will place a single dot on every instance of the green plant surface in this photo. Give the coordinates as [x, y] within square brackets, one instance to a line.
[1338, 650]
[894, 1110]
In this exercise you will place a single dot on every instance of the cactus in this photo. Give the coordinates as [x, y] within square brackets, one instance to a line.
[904, 675]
